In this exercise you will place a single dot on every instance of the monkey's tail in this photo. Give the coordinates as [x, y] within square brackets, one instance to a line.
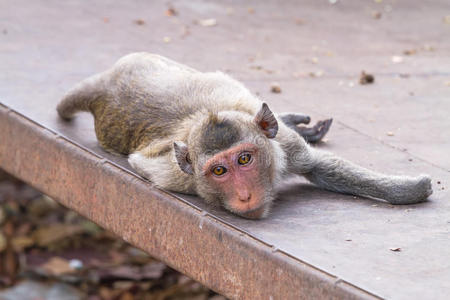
[80, 97]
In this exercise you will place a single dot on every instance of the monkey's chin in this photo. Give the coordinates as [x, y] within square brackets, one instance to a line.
[257, 213]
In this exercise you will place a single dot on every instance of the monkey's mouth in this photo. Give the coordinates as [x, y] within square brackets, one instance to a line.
[253, 214]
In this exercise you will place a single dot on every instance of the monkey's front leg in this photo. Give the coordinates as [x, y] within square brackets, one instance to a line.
[336, 174]
[310, 134]
[162, 170]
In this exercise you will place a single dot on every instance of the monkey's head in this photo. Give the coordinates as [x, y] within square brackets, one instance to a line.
[233, 159]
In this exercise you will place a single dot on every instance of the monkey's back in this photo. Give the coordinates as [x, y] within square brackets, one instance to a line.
[146, 97]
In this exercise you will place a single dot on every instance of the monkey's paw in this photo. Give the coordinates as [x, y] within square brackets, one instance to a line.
[294, 119]
[315, 133]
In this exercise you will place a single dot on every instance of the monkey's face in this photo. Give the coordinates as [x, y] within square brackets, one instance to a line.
[239, 178]
[231, 159]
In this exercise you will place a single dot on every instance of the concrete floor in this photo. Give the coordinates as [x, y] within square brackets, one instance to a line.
[315, 51]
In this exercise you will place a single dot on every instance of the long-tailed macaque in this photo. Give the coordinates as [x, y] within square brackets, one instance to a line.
[206, 134]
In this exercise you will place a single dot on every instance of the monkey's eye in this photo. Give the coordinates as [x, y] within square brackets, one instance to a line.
[244, 158]
[219, 170]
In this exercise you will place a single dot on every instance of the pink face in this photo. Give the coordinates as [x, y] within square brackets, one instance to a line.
[236, 172]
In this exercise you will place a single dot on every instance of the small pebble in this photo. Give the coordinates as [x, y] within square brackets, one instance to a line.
[316, 74]
[409, 52]
[390, 133]
[397, 59]
[376, 15]
[275, 88]
[447, 19]
[207, 22]
[139, 22]
[427, 47]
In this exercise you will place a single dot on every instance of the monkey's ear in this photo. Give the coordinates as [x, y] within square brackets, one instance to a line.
[266, 120]
[182, 155]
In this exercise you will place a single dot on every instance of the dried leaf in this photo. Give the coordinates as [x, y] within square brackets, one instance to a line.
[170, 12]
[126, 296]
[123, 285]
[2, 215]
[45, 236]
[21, 242]
[153, 270]
[57, 266]
[3, 242]
[366, 78]
[11, 264]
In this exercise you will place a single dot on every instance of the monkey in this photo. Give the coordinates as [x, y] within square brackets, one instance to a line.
[205, 133]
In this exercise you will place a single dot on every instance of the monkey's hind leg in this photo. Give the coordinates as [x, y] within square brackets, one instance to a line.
[310, 134]
[80, 97]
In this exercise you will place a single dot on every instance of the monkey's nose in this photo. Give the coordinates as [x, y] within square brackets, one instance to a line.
[245, 197]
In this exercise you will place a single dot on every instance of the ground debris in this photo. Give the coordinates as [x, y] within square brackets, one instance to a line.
[316, 73]
[50, 252]
[139, 22]
[376, 14]
[57, 266]
[395, 249]
[396, 59]
[366, 78]
[447, 19]
[171, 11]
[275, 88]
[410, 52]
[207, 22]
[29, 289]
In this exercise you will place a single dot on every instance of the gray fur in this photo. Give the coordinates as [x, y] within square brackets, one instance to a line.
[146, 102]
[291, 119]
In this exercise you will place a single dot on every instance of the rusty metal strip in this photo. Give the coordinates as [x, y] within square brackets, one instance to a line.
[194, 242]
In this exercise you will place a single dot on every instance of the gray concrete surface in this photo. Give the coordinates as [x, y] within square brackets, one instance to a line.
[48, 46]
